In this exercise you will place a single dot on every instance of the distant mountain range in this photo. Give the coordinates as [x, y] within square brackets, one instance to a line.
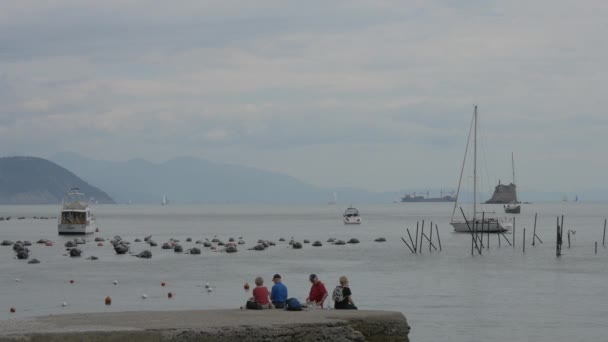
[193, 180]
[31, 180]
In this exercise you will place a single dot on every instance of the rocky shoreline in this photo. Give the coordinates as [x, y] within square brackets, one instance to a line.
[212, 325]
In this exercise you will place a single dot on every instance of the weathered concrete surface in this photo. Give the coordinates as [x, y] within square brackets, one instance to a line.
[211, 325]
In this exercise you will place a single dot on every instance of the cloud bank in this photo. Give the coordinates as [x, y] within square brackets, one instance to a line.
[374, 94]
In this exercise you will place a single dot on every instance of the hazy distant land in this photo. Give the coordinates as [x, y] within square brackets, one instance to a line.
[31, 180]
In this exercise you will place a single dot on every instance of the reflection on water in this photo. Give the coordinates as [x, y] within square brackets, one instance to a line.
[445, 296]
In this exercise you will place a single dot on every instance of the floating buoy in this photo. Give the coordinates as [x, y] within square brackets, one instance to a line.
[108, 300]
[144, 296]
[170, 295]
[246, 286]
[49, 243]
[71, 281]
[64, 304]
[209, 289]
[162, 284]
[115, 282]
[97, 230]
[17, 280]
[100, 244]
[207, 285]
[13, 310]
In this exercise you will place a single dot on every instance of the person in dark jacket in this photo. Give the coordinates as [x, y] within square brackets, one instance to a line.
[346, 302]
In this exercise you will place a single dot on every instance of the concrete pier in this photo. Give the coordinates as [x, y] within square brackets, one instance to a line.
[211, 325]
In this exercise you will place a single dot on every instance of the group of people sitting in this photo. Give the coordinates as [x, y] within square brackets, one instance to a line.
[278, 298]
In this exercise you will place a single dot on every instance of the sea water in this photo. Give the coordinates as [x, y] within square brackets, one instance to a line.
[503, 294]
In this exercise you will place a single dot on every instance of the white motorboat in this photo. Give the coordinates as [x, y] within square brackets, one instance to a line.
[76, 217]
[473, 221]
[351, 216]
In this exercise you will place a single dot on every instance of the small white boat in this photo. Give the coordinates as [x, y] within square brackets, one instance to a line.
[351, 216]
[76, 217]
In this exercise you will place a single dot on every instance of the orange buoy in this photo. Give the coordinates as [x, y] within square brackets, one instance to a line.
[162, 284]
[108, 300]
[13, 310]
[100, 244]
[49, 243]
[246, 286]
[170, 295]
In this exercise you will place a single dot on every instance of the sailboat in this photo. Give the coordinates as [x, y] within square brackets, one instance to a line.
[334, 200]
[473, 221]
[515, 207]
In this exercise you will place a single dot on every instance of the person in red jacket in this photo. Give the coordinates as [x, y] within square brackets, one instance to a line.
[261, 295]
[318, 293]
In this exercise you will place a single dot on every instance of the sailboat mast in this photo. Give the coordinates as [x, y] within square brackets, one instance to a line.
[464, 159]
[475, 166]
[513, 167]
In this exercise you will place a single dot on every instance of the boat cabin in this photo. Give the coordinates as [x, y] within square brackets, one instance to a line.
[351, 212]
[74, 217]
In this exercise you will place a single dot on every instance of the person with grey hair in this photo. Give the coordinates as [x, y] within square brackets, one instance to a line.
[261, 295]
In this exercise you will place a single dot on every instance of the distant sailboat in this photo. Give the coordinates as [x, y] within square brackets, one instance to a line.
[165, 200]
[474, 222]
[334, 200]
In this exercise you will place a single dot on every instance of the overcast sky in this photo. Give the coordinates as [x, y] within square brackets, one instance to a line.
[372, 94]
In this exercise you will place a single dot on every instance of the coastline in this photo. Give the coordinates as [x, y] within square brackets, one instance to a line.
[211, 325]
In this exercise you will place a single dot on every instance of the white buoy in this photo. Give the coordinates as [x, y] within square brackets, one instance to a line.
[207, 285]
[17, 280]
[64, 304]
[115, 282]
[209, 289]
[144, 296]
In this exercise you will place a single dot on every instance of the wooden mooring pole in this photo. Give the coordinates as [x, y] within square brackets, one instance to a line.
[473, 236]
[438, 239]
[416, 246]
[524, 244]
[431, 238]
[408, 246]
[498, 239]
[421, 235]
[514, 232]
[604, 238]
[558, 245]
[483, 219]
[534, 235]
[595, 247]
[412, 241]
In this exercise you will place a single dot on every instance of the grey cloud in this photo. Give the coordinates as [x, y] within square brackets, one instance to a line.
[317, 79]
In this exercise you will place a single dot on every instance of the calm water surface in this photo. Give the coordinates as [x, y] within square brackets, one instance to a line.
[504, 294]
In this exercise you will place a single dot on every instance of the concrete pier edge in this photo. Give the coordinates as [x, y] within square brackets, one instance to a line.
[211, 325]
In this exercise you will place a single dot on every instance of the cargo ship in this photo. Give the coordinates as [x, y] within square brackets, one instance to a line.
[443, 197]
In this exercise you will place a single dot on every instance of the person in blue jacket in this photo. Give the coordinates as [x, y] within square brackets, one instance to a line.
[278, 294]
